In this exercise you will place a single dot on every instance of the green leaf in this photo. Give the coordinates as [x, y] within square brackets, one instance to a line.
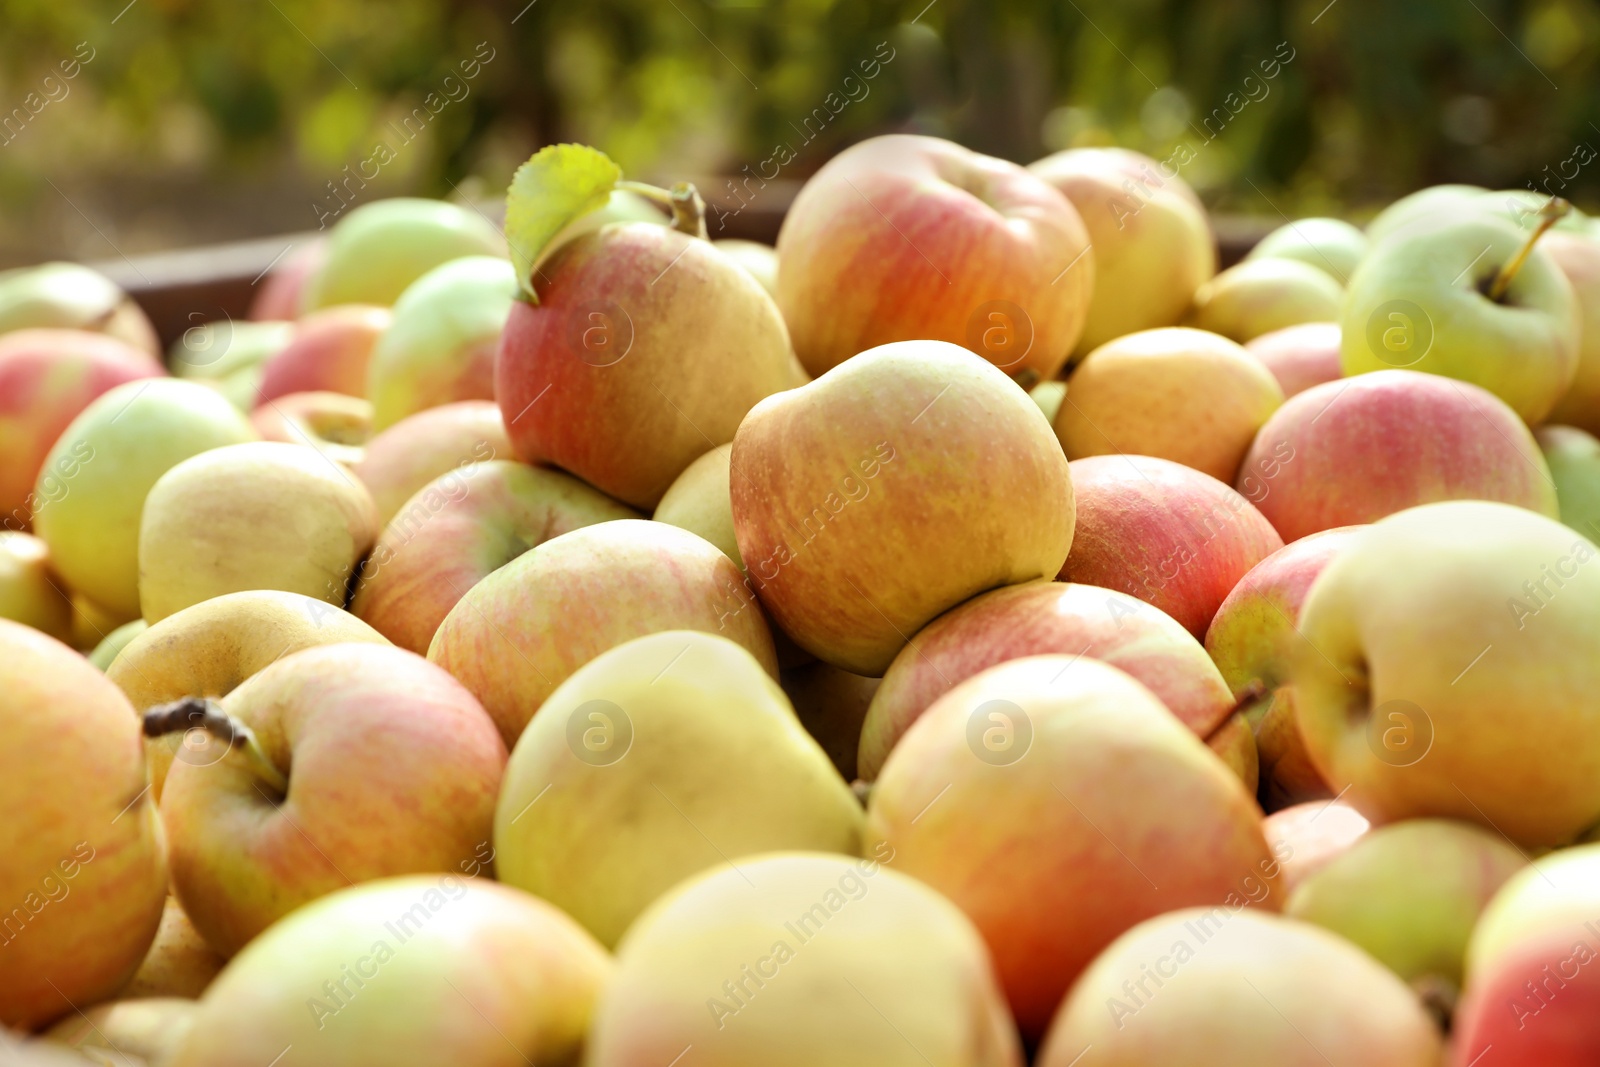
[558, 185]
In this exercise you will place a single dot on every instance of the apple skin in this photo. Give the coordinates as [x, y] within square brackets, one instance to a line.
[115, 1031]
[414, 451]
[331, 351]
[105, 653]
[521, 631]
[1176, 393]
[1307, 836]
[1258, 296]
[1049, 395]
[70, 296]
[471, 973]
[46, 378]
[1396, 708]
[393, 769]
[832, 705]
[30, 591]
[380, 248]
[1578, 256]
[1252, 639]
[282, 290]
[1164, 533]
[85, 873]
[646, 348]
[179, 963]
[97, 475]
[458, 530]
[1531, 992]
[898, 948]
[1299, 356]
[1352, 451]
[1418, 293]
[1234, 743]
[1423, 209]
[760, 260]
[229, 356]
[902, 440]
[1206, 986]
[1040, 618]
[1113, 813]
[441, 346]
[700, 501]
[1331, 245]
[332, 423]
[1574, 459]
[262, 515]
[903, 238]
[1152, 239]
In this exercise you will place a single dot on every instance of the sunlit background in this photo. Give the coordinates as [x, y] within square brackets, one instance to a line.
[167, 123]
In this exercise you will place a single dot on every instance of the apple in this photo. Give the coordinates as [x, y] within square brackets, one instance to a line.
[30, 591]
[1234, 743]
[406, 972]
[1038, 618]
[1049, 395]
[1164, 533]
[69, 296]
[332, 423]
[365, 762]
[46, 378]
[229, 356]
[91, 623]
[1259, 296]
[1424, 209]
[331, 351]
[1058, 802]
[1151, 236]
[84, 874]
[441, 346]
[1422, 302]
[1578, 256]
[105, 653]
[903, 238]
[832, 705]
[1307, 836]
[1531, 995]
[1210, 986]
[378, 249]
[656, 760]
[116, 1030]
[459, 529]
[414, 451]
[1451, 668]
[1331, 245]
[700, 501]
[891, 489]
[522, 630]
[263, 515]
[280, 295]
[1176, 393]
[1574, 460]
[735, 964]
[96, 476]
[1299, 356]
[760, 260]
[179, 963]
[1355, 450]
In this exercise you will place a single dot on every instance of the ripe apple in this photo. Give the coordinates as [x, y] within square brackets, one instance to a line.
[330, 351]
[1234, 743]
[31, 592]
[96, 476]
[1299, 356]
[117, 1030]
[414, 451]
[891, 489]
[368, 762]
[700, 501]
[1058, 802]
[1038, 618]
[1355, 450]
[378, 249]
[1259, 296]
[1574, 460]
[263, 515]
[406, 972]
[1578, 256]
[332, 423]
[1451, 668]
[646, 347]
[654, 761]
[1305, 837]
[179, 963]
[281, 291]
[84, 874]
[1331, 245]
[1180, 394]
[441, 346]
[1210, 986]
[459, 529]
[760, 260]
[521, 631]
[832, 705]
[69, 296]
[1151, 237]
[229, 356]
[46, 378]
[904, 238]
[752, 936]
[1164, 533]
[1422, 302]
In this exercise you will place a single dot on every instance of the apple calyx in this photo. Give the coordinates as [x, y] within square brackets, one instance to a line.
[195, 713]
[1551, 213]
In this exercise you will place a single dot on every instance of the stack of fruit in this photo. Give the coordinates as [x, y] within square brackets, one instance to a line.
[546, 648]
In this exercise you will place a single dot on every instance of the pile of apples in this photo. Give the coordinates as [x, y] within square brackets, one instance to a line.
[974, 632]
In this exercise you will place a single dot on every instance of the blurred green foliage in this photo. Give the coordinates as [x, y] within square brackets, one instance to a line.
[218, 113]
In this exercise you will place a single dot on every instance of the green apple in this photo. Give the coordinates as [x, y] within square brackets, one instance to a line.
[1049, 395]
[1331, 245]
[1259, 296]
[1574, 459]
[105, 653]
[30, 591]
[1424, 208]
[229, 356]
[103, 466]
[699, 501]
[72, 297]
[379, 249]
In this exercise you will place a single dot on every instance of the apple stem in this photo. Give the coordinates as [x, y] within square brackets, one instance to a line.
[683, 200]
[1550, 214]
[195, 713]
